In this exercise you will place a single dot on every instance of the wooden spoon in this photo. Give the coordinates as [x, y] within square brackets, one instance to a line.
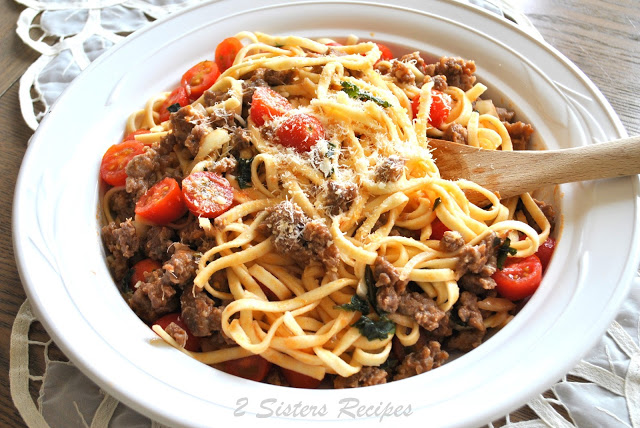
[512, 173]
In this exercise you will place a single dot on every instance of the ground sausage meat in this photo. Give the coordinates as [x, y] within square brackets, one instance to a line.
[181, 267]
[423, 309]
[367, 376]
[154, 297]
[389, 169]
[158, 241]
[177, 333]
[427, 358]
[340, 196]
[474, 258]
[199, 312]
[121, 239]
[451, 241]
[520, 134]
[459, 72]
[456, 133]
[468, 311]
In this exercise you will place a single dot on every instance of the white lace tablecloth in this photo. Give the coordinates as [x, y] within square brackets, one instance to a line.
[603, 390]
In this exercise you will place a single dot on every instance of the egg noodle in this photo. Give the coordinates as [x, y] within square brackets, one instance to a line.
[306, 330]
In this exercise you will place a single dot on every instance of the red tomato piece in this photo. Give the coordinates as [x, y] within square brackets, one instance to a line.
[193, 342]
[177, 97]
[545, 251]
[300, 131]
[333, 44]
[162, 203]
[226, 53]
[253, 367]
[267, 104]
[132, 136]
[199, 78]
[439, 110]
[142, 267]
[299, 380]
[115, 160]
[519, 278]
[207, 194]
[386, 52]
[438, 229]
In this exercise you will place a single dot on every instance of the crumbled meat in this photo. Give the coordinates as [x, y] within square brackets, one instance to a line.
[456, 133]
[402, 73]
[416, 59]
[367, 376]
[157, 242]
[423, 309]
[475, 258]
[477, 283]
[340, 196]
[224, 165]
[390, 169]
[440, 82]
[119, 265]
[465, 340]
[199, 312]
[121, 240]
[387, 299]
[181, 267]
[283, 77]
[505, 115]
[468, 311]
[141, 172]
[212, 98]
[386, 275]
[520, 134]
[177, 333]
[427, 358]
[184, 120]
[444, 329]
[451, 241]
[154, 297]
[546, 209]
[299, 237]
[122, 205]
[192, 234]
[240, 139]
[198, 132]
[459, 72]
[251, 82]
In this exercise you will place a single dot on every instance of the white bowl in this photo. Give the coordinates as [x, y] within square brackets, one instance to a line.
[61, 260]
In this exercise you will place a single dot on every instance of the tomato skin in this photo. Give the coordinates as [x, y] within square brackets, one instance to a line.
[439, 110]
[545, 251]
[116, 159]
[199, 78]
[300, 131]
[162, 203]
[253, 367]
[207, 194]
[226, 53]
[519, 278]
[267, 104]
[142, 267]
[335, 44]
[193, 342]
[178, 96]
[386, 52]
[132, 136]
[299, 380]
[438, 229]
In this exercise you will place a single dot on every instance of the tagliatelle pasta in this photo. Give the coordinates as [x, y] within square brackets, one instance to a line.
[340, 250]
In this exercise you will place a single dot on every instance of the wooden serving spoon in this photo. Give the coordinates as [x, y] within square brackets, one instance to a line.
[515, 172]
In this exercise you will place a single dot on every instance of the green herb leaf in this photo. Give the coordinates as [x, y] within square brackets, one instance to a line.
[244, 172]
[357, 304]
[503, 251]
[174, 107]
[331, 150]
[437, 202]
[370, 282]
[356, 93]
[372, 330]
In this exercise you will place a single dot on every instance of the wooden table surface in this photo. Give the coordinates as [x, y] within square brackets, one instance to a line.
[601, 37]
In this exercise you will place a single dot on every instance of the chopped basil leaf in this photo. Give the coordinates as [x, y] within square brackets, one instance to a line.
[174, 107]
[244, 172]
[390, 363]
[436, 203]
[357, 304]
[503, 251]
[331, 150]
[356, 93]
[372, 330]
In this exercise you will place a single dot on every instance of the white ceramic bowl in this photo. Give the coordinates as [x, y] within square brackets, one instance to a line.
[61, 260]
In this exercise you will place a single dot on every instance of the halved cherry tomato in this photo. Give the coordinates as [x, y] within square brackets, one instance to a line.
[545, 251]
[300, 131]
[386, 52]
[162, 203]
[226, 53]
[142, 267]
[132, 136]
[207, 194]
[193, 342]
[334, 44]
[253, 368]
[267, 104]
[178, 96]
[299, 380]
[438, 229]
[439, 110]
[519, 278]
[199, 78]
[115, 160]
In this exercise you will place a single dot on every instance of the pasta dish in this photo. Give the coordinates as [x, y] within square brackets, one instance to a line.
[279, 215]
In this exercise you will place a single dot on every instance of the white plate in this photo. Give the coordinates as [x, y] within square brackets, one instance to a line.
[61, 260]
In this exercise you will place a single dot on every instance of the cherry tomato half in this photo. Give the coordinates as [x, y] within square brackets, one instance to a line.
[207, 194]
[132, 136]
[519, 278]
[545, 251]
[253, 367]
[439, 110]
[226, 53]
[142, 267]
[267, 104]
[438, 229]
[300, 131]
[199, 78]
[386, 52]
[193, 342]
[115, 160]
[178, 96]
[299, 380]
[162, 203]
